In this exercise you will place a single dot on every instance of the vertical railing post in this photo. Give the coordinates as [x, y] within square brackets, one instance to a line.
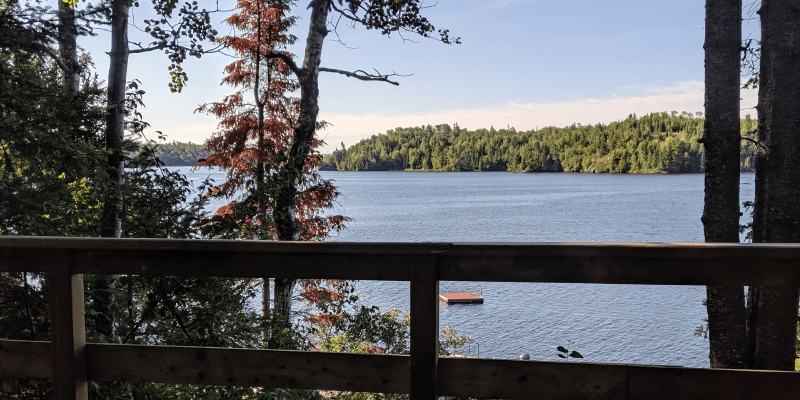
[67, 329]
[424, 328]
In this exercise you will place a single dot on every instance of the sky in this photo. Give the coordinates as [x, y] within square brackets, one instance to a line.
[524, 64]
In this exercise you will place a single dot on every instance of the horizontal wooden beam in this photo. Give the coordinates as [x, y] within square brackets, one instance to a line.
[483, 378]
[247, 367]
[625, 263]
[25, 359]
[614, 263]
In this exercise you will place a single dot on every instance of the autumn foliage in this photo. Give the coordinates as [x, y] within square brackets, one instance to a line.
[256, 132]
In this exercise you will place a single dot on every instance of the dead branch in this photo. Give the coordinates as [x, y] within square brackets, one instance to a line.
[364, 76]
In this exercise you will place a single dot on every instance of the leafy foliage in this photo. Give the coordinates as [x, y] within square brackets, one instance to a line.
[394, 16]
[649, 144]
[565, 354]
[255, 137]
[49, 148]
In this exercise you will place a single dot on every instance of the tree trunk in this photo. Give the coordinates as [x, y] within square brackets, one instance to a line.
[726, 307]
[111, 223]
[67, 46]
[777, 211]
[308, 77]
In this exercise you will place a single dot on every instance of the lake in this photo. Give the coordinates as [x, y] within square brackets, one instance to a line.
[606, 323]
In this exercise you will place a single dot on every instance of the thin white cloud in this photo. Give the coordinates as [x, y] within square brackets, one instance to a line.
[682, 96]
[350, 128]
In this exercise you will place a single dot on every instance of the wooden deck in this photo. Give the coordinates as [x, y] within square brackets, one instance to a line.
[72, 363]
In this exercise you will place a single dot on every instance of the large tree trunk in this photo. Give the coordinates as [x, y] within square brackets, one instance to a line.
[777, 211]
[111, 223]
[726, 308]
[67, 46]
[304, 130]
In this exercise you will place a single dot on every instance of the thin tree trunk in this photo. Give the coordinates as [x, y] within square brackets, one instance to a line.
[260, 174]
[304, 130]
[726, 307]
[67, 46]
[777, 212]
[111, 223]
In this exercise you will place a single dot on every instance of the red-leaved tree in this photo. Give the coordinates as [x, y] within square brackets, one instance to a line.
[255, 134]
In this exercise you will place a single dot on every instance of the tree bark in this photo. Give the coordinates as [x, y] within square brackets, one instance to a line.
[308, 77]
[68, 47]
[726, 306]
[111, 223]
[777, 212]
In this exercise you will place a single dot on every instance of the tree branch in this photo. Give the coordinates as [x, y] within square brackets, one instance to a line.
[364, 76]
[753, 141]
[145, 49]
[45, 49]
[287, 60]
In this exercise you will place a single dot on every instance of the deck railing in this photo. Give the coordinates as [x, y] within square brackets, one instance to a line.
[71, 362]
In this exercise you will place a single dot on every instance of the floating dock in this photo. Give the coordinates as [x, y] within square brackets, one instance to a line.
[463, 297]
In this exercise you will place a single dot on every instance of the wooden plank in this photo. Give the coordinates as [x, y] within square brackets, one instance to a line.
[387, 267]
[515, 379]
[624, 263]
[67, 329]
[25, 359]
[23, 260]
[689, 383]
[248, 367]
[483, 378]
[618, 263]
[424, 329]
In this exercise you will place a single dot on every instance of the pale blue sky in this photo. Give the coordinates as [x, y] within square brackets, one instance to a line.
[523, 63]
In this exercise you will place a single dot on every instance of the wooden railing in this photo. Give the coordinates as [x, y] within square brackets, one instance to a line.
[71, 362]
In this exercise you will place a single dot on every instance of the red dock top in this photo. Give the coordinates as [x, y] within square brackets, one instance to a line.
[463, 297]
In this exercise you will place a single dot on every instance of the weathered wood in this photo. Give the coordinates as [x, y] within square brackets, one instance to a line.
[67, 329]
[516, 379]
[617, 263]
[158, 257]
[424, 329]
[692, 383]
[25, 359]
[624, 263]
[248, 367]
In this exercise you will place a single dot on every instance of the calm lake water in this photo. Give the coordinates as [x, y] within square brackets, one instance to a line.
[606, 323]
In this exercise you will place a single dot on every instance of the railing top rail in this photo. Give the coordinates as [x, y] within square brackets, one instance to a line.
[617, 263]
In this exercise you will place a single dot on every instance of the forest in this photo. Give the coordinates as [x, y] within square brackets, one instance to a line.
[181, 154]
[654, 143]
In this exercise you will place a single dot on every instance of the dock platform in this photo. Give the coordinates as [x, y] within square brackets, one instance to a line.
[463, 297]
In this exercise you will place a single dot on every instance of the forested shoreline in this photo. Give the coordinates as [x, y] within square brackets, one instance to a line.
[653, 143]
[181, 154]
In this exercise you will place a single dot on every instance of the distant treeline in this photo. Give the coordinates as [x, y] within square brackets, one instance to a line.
[659, 142]
[178, 154]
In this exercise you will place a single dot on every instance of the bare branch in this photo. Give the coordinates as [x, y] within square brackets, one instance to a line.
[755, 142]
[364, 76]
[286, 59]
[45, 49]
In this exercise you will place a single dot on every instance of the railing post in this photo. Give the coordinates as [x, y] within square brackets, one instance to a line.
[67, 329]
[424, 328]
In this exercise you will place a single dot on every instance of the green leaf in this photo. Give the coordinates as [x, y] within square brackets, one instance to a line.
[562, 349]
[561, 355]
[575, 354]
